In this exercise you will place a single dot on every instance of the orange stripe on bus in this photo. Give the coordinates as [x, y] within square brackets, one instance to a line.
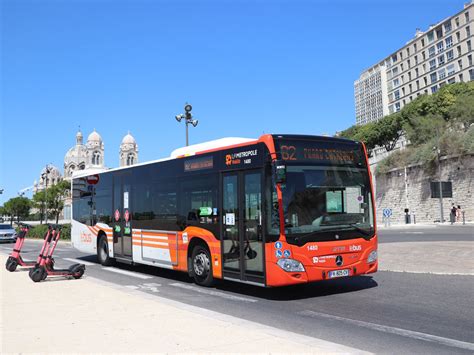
[151, 246]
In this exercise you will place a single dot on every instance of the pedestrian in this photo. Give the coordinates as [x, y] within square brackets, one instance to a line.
[458, 213]
[452, 215]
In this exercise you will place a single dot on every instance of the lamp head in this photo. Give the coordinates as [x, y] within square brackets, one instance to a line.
[194, 122]
[188, 108]
[179, 118]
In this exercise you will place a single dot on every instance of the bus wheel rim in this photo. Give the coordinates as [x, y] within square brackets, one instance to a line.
[201, 264]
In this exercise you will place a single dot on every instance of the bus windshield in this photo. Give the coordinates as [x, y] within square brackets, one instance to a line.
[319, 199]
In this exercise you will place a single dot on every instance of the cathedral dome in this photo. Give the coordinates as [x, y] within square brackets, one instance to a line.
[94, 137]
[128, 139]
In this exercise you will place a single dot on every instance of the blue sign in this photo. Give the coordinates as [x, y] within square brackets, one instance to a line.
[387, 212]
[287, 253]
[279, 253]
[278, 245]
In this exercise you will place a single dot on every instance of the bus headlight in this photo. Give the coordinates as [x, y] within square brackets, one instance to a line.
[290, 265]
[372, 257]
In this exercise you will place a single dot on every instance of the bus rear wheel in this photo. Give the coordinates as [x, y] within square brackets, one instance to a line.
[103, 252]
[202, 266]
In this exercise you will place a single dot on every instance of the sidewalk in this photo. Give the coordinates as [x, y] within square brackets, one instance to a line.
[381, 225]
[88, 315]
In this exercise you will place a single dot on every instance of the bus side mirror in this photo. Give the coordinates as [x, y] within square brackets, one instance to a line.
[279, 171]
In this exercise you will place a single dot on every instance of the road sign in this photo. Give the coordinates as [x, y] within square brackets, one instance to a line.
[387, 212]
[92, 179]
[126, 215]
[117, 215]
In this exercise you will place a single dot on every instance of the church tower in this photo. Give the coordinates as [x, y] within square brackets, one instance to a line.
[128, 154]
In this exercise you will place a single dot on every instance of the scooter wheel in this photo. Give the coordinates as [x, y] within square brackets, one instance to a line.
[11, 264]
[37, 274]
[79, 274]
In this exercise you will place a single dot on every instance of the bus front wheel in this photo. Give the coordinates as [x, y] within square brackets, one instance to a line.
[202, 266]
[103, 252]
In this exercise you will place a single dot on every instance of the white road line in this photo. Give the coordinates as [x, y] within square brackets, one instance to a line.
[213, 293]
[392, 330]
[87, 263]
[412, 232]
[128, 273]
[431, 272]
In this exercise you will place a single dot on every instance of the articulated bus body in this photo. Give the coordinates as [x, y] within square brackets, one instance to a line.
[279, 210]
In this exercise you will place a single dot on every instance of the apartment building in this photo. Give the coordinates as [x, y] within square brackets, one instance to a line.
[441, 55]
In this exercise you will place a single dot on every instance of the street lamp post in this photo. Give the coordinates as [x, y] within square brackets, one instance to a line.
[438, 152]
[45, 203]
[188, 120]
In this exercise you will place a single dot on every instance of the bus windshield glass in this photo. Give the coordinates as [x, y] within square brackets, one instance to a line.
[327, 198]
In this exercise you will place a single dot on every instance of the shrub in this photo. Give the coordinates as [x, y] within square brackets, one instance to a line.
[40, 230]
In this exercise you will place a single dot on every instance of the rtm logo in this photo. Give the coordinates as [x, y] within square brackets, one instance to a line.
[355, 248]
[228, 159]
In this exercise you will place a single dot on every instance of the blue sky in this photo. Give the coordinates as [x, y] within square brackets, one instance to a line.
[247, 67]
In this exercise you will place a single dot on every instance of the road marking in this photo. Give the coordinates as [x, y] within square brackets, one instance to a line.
[412, 232]
[87, 263]
[392, 330]
[431, 272]
[153, 287]
[213, 293]
[128, 273]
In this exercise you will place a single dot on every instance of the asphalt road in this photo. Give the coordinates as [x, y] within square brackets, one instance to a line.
[455, 233]
[385, 313]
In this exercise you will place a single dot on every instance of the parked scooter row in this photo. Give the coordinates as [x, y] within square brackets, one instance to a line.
[43, 267]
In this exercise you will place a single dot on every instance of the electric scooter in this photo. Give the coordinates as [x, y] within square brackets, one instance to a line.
[45, 268]
[15, 259]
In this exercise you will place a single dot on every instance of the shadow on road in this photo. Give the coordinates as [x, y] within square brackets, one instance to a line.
[286, 293]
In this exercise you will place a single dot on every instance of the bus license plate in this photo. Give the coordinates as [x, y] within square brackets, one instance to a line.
[338, 273]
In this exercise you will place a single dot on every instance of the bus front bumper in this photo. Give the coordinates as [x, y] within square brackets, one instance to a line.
[276, 276]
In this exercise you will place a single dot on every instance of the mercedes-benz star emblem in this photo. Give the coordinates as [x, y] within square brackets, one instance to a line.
[338, 260]
[336, 236]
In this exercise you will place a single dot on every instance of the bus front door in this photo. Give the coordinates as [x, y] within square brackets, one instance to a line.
[122, 229]
[242, 235]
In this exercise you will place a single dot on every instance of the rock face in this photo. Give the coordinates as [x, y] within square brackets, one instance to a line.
[410, 188]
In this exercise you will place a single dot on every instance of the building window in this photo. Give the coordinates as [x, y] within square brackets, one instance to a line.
[461, 77]
[456, 20]
[416, 59]
[417, 85]
[458, 36]
[424, 55]
[432, 64]
[471, 74]
[409, 76]
[394, 58]
[397, 106]
[447, 27]
[459, 50]
[450, 69]
[401, 55]
[401, 66]
[408, 51]
[469, 46]
[451, 81]
[442, 74]
[409, 86]
[440, 47]
[395, 71]
[422, 42]
[433, 77]
[460, 64]
[396, 83]
[431, 51]
[449, 55]
[441, 60]
[466, 14]
[449, 42]
[439, 33]
[430, 37]
[469, 59]
[409, 63]
[468, 31]
[425, 80]
[397, 94]
[434, 89]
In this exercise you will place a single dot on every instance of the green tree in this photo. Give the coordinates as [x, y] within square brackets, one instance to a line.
[18, 207]
[56, 195]
[39, 202]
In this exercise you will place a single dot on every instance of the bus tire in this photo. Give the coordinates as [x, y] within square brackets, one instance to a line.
[103, 252]
[202, 266]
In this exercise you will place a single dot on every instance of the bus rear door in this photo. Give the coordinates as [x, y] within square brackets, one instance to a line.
[122, 230]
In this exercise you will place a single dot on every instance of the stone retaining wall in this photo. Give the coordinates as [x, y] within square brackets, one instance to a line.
[392, 192]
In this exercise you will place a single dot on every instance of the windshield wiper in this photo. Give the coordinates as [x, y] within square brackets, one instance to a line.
[357, 228]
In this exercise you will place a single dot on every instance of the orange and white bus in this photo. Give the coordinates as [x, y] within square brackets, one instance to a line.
[273, 211]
